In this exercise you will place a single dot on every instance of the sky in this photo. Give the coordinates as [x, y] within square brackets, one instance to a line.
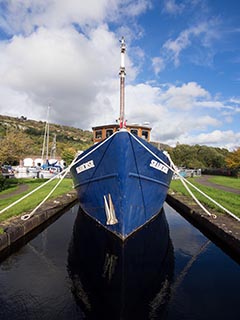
[182, 65]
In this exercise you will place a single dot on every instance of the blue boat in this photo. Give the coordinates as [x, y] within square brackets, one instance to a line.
[122, 181]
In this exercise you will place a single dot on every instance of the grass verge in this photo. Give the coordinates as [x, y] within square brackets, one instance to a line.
[33, 200]
[226, 181]
[228, 200]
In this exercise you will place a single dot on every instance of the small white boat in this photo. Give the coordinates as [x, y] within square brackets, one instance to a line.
[49, 172]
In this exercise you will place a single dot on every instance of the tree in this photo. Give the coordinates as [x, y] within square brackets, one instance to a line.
[68, 154]
[181, 155]
[197, 156]
[233, 159]
[14, 146]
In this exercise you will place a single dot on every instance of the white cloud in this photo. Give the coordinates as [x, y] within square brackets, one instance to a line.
[61, 66]
[173, 126]
[24, 16]
[146, 103]
[184, 40]
[235, 101]
[78, 75]
[210, 104]
[63, 53]
[158, 64]
[217, 138]
[12, 101]
[198, 37]
[171, 7]
[228, 119]
[228, 138]
[50, 61]
[184, 97]
[135, 8]
[191, 89]
[202, 123]
[143, 103]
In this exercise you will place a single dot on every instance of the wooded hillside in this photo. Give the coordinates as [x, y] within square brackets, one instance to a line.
[20, 137]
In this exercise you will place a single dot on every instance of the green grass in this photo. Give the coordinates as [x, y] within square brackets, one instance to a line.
[226, 181]
[9, 190]
[230, 201]
[15, 183]
[33, 200]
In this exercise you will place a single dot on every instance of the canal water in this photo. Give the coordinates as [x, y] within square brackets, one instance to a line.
[73, 270]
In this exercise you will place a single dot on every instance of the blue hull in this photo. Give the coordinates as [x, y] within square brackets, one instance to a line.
[121, 183]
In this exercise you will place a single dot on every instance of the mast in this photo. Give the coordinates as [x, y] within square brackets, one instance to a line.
[122, 75]
[47, 147]
[46, 137]
[54, 146]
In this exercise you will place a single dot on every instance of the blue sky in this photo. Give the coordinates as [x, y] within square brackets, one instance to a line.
[183, 65]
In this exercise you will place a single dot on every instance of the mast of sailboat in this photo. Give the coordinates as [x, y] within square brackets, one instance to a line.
[47, 149]
[122, 75]
[54, 146]
[46, 137]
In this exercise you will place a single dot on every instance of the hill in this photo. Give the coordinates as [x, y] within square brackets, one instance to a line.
[22, 137]
[66, 137]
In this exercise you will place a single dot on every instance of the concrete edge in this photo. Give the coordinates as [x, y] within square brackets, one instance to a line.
[224, 231]
[15, 228]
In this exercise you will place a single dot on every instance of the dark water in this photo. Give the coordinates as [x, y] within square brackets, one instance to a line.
[73, 270]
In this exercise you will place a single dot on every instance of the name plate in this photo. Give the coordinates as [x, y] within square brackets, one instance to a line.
[159, 166]
[85, 166]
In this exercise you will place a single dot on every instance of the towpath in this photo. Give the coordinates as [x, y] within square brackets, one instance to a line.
[205, 181]
[20, 189]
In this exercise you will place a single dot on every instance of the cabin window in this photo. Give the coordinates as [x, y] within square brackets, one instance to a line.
[109, 132]
[98, 134]
[134, 131]
[145, 134]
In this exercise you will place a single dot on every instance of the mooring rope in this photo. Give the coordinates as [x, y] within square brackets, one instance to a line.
[30, 193]
[196, 200]
[60, 174]
[209, 198]
[63, 173]
[173, 169]
[29, 215]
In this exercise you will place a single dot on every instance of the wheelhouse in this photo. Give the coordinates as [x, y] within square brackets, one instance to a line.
[102, 132]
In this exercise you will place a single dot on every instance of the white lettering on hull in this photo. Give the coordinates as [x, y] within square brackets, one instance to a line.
[159, 166]
[85, 166]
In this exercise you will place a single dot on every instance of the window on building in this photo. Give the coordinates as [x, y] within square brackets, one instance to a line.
[145, 134]
[98, 134]
[109, 132]
[134, 131]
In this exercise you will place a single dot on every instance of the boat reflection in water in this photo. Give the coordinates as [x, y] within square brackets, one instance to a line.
[112, 279]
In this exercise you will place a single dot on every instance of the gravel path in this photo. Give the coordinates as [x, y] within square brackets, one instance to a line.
[205, 181]
[20, 189]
